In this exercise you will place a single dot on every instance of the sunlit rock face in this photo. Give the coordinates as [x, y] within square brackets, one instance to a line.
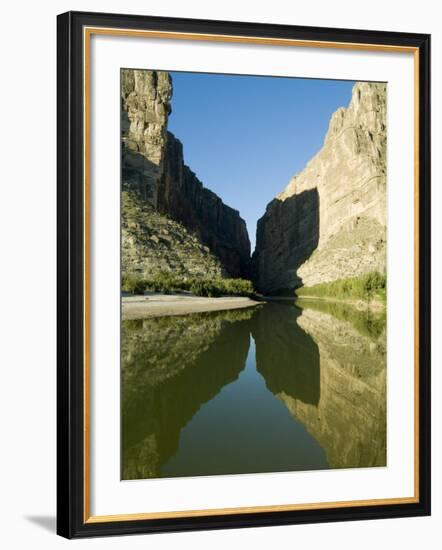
[349, 420]
[329, 222]
[145, 107]
[155, 177]
[154, 243]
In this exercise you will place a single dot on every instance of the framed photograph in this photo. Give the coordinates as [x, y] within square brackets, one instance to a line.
[243, 274]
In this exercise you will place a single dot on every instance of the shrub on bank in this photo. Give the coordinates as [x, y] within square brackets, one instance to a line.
[167, 283]
[237, 287]
[206, 288]
[133, 284]
[364, 287]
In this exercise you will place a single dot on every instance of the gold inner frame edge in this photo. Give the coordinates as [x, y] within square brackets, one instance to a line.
[87, 33]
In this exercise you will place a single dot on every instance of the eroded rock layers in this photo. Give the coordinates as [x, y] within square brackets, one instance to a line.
[330, 221]
[156, 180]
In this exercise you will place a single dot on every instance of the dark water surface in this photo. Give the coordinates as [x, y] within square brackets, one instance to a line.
[278, 387]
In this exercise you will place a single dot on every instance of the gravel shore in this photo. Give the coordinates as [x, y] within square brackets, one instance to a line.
[157, 305]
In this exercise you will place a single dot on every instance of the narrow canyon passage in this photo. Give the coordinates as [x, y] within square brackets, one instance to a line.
[328, 223]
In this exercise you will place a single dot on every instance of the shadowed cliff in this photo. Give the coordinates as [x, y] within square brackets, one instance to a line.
[286, 236]
[153, 168]
[182, 196]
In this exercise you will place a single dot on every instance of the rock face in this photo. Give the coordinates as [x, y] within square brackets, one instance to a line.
[153, 243]
[330, 221]
[145, 106]
[183, 197]
[155, 176]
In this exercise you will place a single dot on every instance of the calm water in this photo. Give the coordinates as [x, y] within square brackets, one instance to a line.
[273, 388]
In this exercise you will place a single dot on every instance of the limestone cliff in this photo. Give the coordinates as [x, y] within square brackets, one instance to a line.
[145, 106]
[155, 177]
[329, 222]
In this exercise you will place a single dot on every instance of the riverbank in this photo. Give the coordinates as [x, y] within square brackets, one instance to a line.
[158, 305]
[375, 305]
[360, 305]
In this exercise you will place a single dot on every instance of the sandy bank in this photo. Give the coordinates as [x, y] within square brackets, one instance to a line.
[157, 305]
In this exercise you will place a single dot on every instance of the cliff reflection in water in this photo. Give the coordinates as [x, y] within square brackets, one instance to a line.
[171, 366]
[286, 356]
[186, 386]
[345, 406]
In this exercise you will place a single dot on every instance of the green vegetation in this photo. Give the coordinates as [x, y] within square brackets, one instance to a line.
[370, 286]
[367, 322]
[219, 287]
[133, 284]
[166, 283]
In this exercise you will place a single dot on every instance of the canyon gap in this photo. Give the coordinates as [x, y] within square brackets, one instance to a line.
[329, 223]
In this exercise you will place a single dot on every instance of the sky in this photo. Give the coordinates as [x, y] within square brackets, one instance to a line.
[245, 137]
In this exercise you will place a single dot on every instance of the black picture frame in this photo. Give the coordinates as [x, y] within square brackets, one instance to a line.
[71, 497]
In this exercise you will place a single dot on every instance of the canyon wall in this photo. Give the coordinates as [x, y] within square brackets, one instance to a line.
[156, 179]
[330, 221]
[145, 107]
[153, 243]
[183, 197]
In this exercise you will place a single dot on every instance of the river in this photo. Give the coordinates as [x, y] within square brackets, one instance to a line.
[278, 387]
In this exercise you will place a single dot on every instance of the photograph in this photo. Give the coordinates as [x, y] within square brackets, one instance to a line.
[243, 273]
[253, 274]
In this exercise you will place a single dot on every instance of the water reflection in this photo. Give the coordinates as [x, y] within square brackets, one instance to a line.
[274, 388]
[171, 366]
[286, 356]
[349, 420]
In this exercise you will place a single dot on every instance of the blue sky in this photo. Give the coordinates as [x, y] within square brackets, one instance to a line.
[246, 136]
